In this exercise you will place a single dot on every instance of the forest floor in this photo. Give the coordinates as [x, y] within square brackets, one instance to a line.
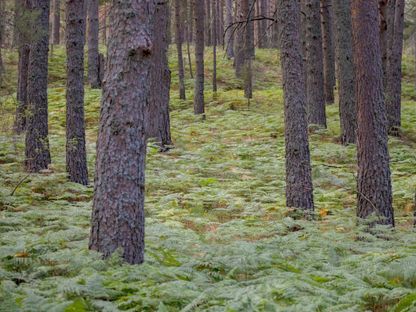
[218, 235]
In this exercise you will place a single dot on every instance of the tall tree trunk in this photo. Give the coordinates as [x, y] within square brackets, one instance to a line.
[262, 26]
[76, 155]
[37, 142]
[93, 53]
[229, 34]
[299, 188]
[394, 72]
[179, 40]
[208, 23]
[2, 28]
[383, 17]
[374, 181]
[328, 49]
[118, 207]
[199, 13]
[314, 64]
[248, 45]
[214, 41]
[239, 39]
[346, 77]
[56, 22]
[22, 67]
[104, 26]
[158, 120]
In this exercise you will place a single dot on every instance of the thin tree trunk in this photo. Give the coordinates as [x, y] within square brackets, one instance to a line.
[239, 40]
[328, 49]
[314, 64]
[374, 181]
[394, 71]
[93, 53]
[299, 188]
[199, 13]
[179, 40]
[118, 207]
[346, 77]
[56, 22]
[76, 155]
[247, 48]
[214, 41]
[37, 142]
[229, 35]
[208, 23]
[157, 119]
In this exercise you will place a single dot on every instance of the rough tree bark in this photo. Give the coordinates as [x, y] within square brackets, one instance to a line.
[393, 86]
[118, 207]
[374, 181]
[229, 35]
[157, 119]
[328, 49]
[346, 77]
[199, 13]
[383, 17]
[76, 155]
[314, 64]
[56, 22]
[299, 188]
[37, 142]
[93, 53]
[214, 43]
[179, 40]
[248, 46]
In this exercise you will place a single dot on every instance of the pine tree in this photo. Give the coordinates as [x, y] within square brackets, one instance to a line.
[76, 155]
[299, 189]
[374, 181]
[93, 52]
[199, 13]
[118, 207]
[37, 142]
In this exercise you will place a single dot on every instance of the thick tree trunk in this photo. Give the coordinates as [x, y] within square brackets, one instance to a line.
[56, 22]
[314, 64]
[118, 208]
[76, 155]
[299, 188]
[229, 35]
[328, 49]
[157, 119]
[394, 72]
[93, 53]
[346, 77]
[199, 13]
[37, 142]
[179, 40]
[374, 181]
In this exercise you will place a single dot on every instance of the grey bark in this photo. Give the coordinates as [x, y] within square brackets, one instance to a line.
[37, 142]
[328, 49]
[199, 13]
[299, 188]
[179, 39]
[393, 88]
[56, 22]
[157, 119]
[76, 155]
[314, 64]
[215, 12]
[229, 36]
[374, 178]
[118, 207]
[346, 77]
[93, 53]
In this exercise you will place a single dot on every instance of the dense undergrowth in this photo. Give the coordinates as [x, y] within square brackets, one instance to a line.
[218, 235]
